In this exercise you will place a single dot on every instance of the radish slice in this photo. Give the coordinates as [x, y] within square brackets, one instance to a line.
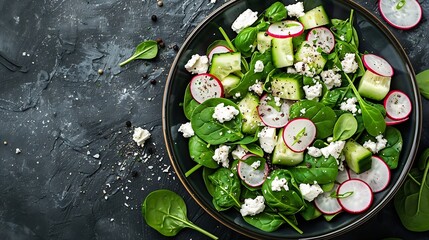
[377, 65]
[342, 176]
[404, 14]
[328, 204]
[322, 37]
[285, 29]
[205, 86]
[390, 122]
[398, 105]
[218, 49]
[299, 134]
[253, 174]
[378, 177]
[270, 116]
[354, 196]
[248, 155]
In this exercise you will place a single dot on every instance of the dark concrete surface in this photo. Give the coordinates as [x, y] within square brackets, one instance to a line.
[79, 175]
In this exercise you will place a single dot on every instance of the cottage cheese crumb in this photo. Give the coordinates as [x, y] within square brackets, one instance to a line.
[140, 136]
[256, 164]
[375, 147]
[221, 155]
[314, 151]
[17, 151]
[239, 152]
[331, 78]
[259, 66]
[310, 192]
[334, 149]
[295, 10]
[277, 184]
[246, 19]
[257, 88]
[267, 139]
[224, 113]
[252, 207]
[197, 64]
[312, 92]
[350, 105]
[304, 69]
[187, 130]
[349, 63]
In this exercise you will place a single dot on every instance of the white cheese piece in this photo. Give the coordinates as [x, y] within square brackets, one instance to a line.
[277, 184]
[295, 10]
[239, 152]
[187, 130]
[140, 136]
[252, 207]
[256, 164]
[267, 139]
[246, 19]
[334, 149]
[259, 66]
[314, 151]
[310, 192]
[331, 78]
[221, 155]
[349, 63]
[257, 88]
[224, 113]
[197, 64]
[312, 92]
[350, 105]
[375, 147]
[304, 69]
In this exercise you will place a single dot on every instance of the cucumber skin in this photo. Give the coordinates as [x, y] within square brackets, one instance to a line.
[314, 18]
[282, 52]
[248, 108]
[229, 82]
[374, 86]
[264, 41]
[224, 64]
[282, 155]
[287, 86]
[358, 158]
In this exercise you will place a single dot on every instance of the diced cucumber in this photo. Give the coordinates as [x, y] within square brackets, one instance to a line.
[314, 18]
[248, 108]
[224, 64]
[282, 155]
[307, 51]
[282, 52]
[374, 86]
[287, 86]
[358, 158]
[264, 41]
[230, 82]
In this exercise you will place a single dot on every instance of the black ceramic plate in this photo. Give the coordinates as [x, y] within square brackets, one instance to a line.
[374, 38]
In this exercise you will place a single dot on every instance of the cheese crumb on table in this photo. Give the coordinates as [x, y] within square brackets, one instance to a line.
[140, 136]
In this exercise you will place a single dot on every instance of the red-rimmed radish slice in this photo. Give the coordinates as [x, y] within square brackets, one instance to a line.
[205, 86]
[377, 65]
[218, 49]
[342, 176]
[299, 133]
[378, 177]
[390, 122]
[398, 105]
[270, 116]
[327, 204]
[402, 14]
[248, 155]
[322, 37]
[285, 29]
[252, 175]
[354, 196]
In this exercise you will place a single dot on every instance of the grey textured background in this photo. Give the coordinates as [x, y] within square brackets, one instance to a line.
[61, 113]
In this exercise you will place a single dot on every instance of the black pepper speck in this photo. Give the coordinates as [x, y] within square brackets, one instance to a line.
[154, 18]
[175, 48]
[128, 124]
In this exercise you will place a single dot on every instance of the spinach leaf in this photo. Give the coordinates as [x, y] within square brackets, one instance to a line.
[209, 185]
[424, 158]
[345, 127]
[310, 212]
[423, 83]
[322, 116]
[391, 153]
[189, 103]
[286, 202]
[322, 170]
[145, 50]
[254, 148]
[245, 42]
[267, 222]
[165, 211]
[201, 153]
[248, 139]
[332, 97]
[276, 12]
[211, 130]
[227, 189]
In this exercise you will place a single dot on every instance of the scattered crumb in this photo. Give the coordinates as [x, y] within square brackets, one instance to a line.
[17, 151]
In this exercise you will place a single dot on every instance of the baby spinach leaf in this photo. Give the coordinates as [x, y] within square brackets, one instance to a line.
[423, 83]
[310, 212]
[332, 97]
[267, 222]
[227, 189]
[165, 211]
[211, 130]
[189, 103]
[423, 160]
[248, 139]
[391, 153]
[209, 185]
[254, 148]
[145, 50]
[245, 42]
[345, 127]
[322, 170]
[322, 116]
[201, 153]
[276, 12]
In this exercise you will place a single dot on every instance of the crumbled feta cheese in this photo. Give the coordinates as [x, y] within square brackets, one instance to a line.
[197, 64]
[256, 164]
[303, 111]
[252, 206]
[239, 152]
[259, 66]
[237, 95]
[187, 130]
[246, 19]
[349, 63]
[267, 139]
[375, 147]
[312, 92]
[310, 192]
[213, 1]
[349, 105]
[17, 151]
[277, 184]
[314, 151]
[140, 136]
[370, 145]
[381, 142]
[334, 149]
[295, 10]
[221, 155]
[341, 162]
[304, 69]
[277, 101]
[331, 78]
[257, 88]
[224, 113]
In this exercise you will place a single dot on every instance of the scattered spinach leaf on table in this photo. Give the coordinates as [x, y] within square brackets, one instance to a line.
[145, 50]
[423, 83]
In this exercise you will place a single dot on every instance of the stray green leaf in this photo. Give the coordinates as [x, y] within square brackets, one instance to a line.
[423, 83]
[145, 50]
